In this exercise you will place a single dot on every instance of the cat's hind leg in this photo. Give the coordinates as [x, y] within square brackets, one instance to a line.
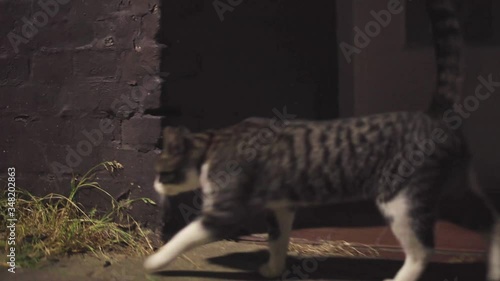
[489, 191]
[280, 223]
[412, 222]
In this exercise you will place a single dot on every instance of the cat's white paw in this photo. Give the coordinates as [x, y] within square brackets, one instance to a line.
[388, 279]
[270, 272]
[154, 263]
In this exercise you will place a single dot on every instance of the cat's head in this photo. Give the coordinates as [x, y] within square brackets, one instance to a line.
[176, 171]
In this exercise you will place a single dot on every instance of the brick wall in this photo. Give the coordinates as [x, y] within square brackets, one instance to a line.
[76, 78]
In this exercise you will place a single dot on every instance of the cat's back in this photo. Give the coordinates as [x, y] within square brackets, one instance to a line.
[265, 138]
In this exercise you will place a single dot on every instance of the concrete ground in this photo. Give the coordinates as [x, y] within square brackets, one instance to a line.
[227, 260]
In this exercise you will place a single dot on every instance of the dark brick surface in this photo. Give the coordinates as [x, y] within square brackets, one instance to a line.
[150, 24]
[29, 98]
[145, 54]
[17, 99]
[118, 32]
[141, 131]
[11, 14]
[70, 132]
[96, 64]
[152, 99]
[64, 35]
[77, 71]
[90, 97]
[13, 71]
[144, 7]
[49, 68]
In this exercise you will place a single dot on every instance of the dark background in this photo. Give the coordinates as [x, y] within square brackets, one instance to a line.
[262, 55]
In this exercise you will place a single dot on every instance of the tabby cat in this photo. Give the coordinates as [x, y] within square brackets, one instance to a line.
[401, 160]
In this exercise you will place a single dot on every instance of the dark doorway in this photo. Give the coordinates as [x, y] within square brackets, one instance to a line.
[228, 60]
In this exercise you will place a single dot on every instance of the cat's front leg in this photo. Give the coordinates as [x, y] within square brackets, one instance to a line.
[193, 235]
[280, 225]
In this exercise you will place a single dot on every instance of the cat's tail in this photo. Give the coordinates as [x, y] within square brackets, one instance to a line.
[448, 43]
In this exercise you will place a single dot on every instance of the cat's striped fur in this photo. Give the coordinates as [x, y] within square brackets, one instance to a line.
[401, 160]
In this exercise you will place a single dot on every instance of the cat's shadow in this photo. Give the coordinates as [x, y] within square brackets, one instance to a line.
[331, 268]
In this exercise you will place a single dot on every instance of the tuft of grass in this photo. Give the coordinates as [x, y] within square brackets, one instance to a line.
[333, 248]
[54, 224]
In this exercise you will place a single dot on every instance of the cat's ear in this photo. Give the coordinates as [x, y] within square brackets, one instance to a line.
[175, 139]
